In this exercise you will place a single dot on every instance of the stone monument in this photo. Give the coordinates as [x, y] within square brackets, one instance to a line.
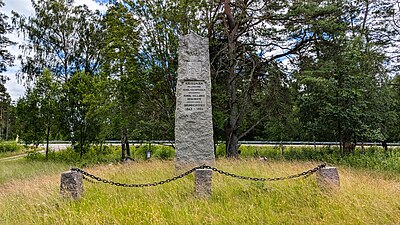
[194, 144]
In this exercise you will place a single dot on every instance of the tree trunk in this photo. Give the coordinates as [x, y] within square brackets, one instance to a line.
[232, 128]
[81, 143]
[232, 143]
[123, 146]
[362, 148]
[349, 143]
[7, 124]
[232, 138]
[47, 142]
[126, 140]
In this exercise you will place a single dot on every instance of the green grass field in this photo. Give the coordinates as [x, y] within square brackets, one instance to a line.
[15, 170]
[364, 198]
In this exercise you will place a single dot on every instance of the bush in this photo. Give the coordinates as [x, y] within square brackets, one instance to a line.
[157, 151]
[9, 146]
[220, 150]
[94, 155]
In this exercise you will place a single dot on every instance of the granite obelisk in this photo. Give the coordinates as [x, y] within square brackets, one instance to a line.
[194, 143]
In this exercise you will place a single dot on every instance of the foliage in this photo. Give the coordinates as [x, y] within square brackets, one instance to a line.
[6, 59]
[160, 25]
[78, 125]
[60, 37]
[7, 115]
[120, 66]
[38, 112]
[100, 154]
[156, 151]
[282, 70]
[373, 158]
[248, 47]
[94, 155]
[9, 146]
[343, 85]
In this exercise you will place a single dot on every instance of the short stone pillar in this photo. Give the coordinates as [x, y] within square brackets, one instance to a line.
[328, 179]
[71, 185]
[203, 183]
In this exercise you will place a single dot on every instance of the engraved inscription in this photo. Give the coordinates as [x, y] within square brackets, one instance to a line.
[194, 96]
[194, 68]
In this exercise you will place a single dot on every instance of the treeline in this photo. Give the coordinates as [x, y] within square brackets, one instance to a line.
[283, 70]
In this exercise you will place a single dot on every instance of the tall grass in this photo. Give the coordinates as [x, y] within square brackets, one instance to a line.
[95, 155]
[373, 158]
[104, 154]
[10, 148]
[362, 199]
[23, 169]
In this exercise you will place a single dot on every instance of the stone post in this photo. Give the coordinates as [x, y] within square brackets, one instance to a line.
[194, 143]
[328, 179]
[203, 183]
[71, 185]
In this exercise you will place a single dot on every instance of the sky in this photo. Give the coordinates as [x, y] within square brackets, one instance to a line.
[15, 88]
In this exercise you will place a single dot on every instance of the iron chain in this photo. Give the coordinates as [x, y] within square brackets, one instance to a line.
[94, 179]
[303, 174]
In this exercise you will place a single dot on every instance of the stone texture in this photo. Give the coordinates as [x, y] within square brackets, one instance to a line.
[193, 117]
[71, 185]
[328, 178]
[203, 183]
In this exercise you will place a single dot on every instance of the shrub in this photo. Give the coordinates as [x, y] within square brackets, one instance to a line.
[94, 155]
[157, 151]
[220, 150]
[9, 146]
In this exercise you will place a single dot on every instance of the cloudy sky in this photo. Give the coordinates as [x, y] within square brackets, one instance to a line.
[15, 88]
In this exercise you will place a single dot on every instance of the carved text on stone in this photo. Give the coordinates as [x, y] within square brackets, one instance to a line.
[194, 96]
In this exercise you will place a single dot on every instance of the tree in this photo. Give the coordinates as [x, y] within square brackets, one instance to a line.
[250, 43]
[6, 59]
[120, 65]
[6, 114]
[161, 24]
[342, 80]
[67, 40]
[38, 111]
[60, 37]
[76, 101]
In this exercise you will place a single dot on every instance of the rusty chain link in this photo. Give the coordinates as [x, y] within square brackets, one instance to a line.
[94, 179]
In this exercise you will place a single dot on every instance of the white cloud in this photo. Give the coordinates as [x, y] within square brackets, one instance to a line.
[91, 4]
[24, 7]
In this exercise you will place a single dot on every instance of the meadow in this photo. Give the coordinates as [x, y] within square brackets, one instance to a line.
[364, 197]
